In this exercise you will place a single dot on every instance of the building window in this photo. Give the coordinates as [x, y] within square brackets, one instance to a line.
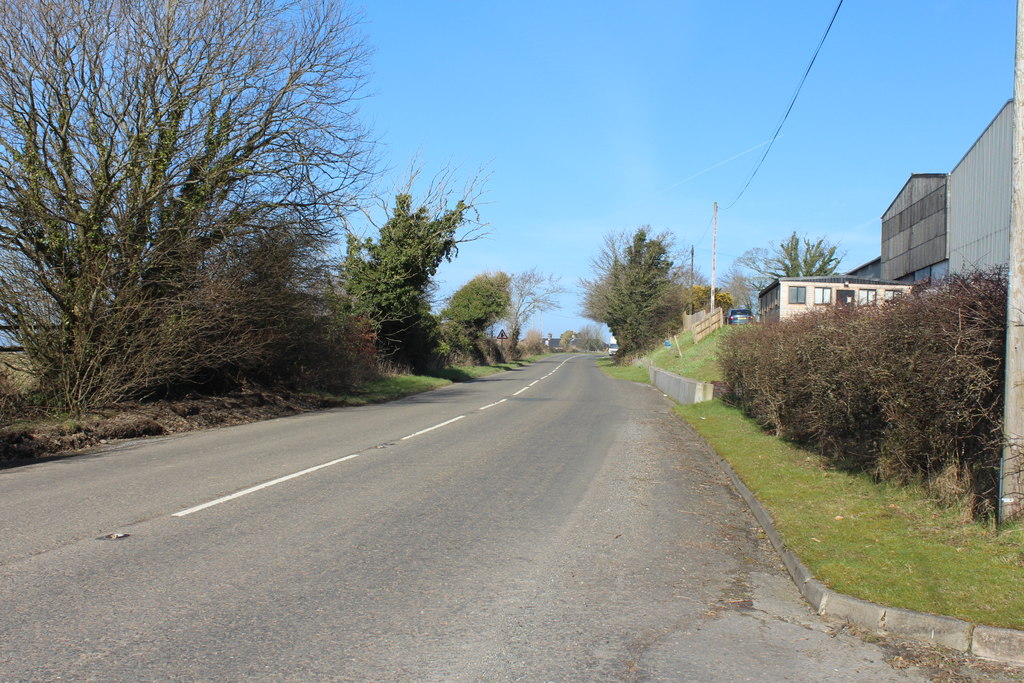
[891, 294]
[866, 296]
[797, 295]
[822, 295]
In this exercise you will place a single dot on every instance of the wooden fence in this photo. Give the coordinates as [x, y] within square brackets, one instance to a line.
[707, 325]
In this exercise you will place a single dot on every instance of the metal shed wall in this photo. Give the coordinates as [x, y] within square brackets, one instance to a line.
[914, 227]
[979, 199]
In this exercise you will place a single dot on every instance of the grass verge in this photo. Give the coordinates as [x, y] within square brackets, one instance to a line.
[887, 544]
[632, 373]
[464, 373]
[389, 389]
[399, 386]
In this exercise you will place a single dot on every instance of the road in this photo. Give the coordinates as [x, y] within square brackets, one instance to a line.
[545, 524]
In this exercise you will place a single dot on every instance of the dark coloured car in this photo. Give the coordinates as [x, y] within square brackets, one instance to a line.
[739, 316]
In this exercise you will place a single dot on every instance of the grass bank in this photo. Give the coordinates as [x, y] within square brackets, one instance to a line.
[890, 545]
[696, 361]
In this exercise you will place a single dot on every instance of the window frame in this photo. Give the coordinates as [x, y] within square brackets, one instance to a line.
[867, 297]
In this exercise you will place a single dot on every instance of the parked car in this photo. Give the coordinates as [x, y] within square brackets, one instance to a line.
[613, 349]
[739, 316]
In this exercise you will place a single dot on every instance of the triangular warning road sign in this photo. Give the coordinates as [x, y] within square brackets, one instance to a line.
[502, 335]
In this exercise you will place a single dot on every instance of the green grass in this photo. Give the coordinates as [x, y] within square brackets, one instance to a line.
[464, 373]
[887, 544]
[890, 545]
[390, 388]
[399, 386]
[696, 361]
[632, 373]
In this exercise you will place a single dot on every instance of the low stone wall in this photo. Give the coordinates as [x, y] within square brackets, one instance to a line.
[682, 389]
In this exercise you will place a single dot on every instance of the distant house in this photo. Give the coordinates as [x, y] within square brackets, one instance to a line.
[789, 296]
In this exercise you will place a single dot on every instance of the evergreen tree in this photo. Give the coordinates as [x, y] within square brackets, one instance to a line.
[389, 278]
[635, 292]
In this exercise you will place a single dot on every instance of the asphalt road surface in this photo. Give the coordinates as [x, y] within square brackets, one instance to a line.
[545, 524]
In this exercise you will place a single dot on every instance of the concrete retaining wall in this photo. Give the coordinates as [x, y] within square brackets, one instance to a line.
[682, 389]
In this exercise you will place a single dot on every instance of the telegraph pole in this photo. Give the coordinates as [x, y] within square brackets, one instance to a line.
[691, 280]
[1011, 490]
[714, 249]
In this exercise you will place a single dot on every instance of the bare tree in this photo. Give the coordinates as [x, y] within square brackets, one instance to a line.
[589, 338]
[530, 292]
[741, 285]
[143, 143]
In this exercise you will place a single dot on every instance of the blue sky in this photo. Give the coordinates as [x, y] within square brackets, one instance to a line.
[597, 117]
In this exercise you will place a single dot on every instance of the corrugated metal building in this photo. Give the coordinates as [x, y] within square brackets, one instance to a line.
[979, 199]
[952, 223]
[914, 230]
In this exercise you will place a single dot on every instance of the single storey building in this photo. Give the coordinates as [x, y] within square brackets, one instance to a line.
[789, 296]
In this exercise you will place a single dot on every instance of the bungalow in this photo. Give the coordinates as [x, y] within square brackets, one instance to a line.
[789, 296]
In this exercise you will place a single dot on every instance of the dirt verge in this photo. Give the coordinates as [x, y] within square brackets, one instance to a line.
[133, 420]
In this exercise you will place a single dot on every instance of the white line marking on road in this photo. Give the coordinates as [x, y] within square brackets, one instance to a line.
[533, 382]
[521, 391]
[428, 429]
[264, 485]
[491, 405]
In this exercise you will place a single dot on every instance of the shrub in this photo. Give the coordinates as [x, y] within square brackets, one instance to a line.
[532, 344]
[910, 391]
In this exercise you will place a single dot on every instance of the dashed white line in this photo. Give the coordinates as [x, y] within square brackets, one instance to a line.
[272, 482]
[264, 485]
[491, 405]
[437, 426]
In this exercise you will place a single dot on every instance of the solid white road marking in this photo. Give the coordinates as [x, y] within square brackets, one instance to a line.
[520, 391]
[428, 429]
[264, 485]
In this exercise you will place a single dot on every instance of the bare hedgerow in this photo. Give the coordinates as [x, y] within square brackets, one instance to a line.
[910, 391]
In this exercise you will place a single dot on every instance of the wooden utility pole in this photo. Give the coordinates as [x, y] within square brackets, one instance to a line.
[691, 280]
[714, 250]
[1010, 489]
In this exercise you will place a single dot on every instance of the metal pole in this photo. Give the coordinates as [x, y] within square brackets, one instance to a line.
[714, 252]
[1010, 488]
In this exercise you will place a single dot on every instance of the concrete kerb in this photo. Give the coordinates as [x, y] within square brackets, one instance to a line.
[988, 642]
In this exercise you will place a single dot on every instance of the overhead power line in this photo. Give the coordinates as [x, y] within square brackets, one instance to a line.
[792, 101]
